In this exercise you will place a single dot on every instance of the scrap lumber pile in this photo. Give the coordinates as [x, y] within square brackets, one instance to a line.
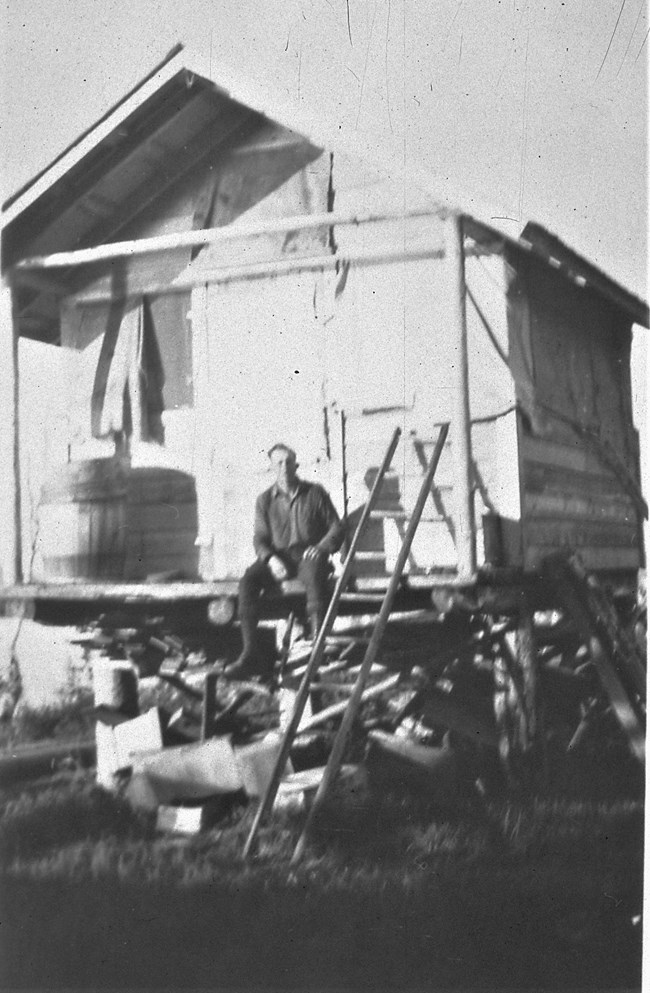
[186, 743]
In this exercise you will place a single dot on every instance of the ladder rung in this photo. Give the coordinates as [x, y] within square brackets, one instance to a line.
[401, 515]
[362, 597]
[417, 440]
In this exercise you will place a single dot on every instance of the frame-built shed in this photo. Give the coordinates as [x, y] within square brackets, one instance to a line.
[192, 281]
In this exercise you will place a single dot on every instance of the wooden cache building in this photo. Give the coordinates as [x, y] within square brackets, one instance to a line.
[193, 280]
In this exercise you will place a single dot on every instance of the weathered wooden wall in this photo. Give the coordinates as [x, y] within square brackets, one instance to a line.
[581, 442]
[249, 361]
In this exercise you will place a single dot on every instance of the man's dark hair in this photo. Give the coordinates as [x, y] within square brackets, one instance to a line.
[281, 447]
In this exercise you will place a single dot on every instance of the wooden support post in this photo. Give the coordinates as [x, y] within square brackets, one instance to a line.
[516, 703]
[344, 475]
[11, 571]
[572, 584]
[534, 758]
[209, 708]
[527, 662]
[461, 428]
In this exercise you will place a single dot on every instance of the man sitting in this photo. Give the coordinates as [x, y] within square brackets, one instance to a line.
[296, 530]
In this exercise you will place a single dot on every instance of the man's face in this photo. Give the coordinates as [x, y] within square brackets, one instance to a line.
[285, 466]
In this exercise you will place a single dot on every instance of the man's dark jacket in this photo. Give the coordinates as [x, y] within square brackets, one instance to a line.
[284, 523]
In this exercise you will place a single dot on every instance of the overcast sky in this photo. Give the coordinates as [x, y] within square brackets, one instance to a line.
[537, 109]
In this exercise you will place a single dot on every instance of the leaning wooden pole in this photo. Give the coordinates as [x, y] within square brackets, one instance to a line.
[461, 440]
[318, 651]
[336, 755]
[344, 471]
[210, 236]
[11, 571]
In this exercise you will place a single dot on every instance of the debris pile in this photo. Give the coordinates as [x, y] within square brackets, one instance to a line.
[184, 741]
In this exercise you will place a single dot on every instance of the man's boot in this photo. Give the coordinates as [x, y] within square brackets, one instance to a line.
[316, 618]
[249, 663]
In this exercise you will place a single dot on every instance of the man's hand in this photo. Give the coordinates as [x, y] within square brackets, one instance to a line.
[312, 552]
[278, 568]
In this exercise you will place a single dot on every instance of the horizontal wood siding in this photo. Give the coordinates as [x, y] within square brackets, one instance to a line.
[578, 447]
[570, 501]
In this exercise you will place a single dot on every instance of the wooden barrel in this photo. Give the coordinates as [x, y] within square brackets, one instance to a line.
[81, 522]
[161, 524]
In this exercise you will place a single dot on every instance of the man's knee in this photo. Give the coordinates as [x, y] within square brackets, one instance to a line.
[314, 574]
[253, 581]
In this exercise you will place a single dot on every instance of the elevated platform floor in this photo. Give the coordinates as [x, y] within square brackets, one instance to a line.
[156, 592]
[489, 589]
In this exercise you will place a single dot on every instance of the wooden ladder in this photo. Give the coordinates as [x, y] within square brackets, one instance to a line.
[318, 651]
[336, 756]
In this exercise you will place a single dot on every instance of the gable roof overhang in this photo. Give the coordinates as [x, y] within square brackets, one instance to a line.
[537, 242]
[161, 129]
[171, 121]
[90, 194]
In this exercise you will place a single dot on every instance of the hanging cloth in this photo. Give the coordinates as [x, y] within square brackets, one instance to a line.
[127, 395]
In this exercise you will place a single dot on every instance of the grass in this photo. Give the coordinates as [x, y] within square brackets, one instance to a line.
[68, 720]
[395, 891]
[394, 894]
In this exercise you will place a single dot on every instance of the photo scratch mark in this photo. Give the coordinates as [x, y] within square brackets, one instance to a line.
[390, 122]
[524, 127]
[511, 48]
[365, 65]
[611, 39]
[636, 23]
[453, 21]
[642, 46]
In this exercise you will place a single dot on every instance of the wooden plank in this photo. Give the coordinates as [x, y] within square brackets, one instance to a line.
[545, 478]
[402, 515]
[621, 644]
[598, 559]
[87, 592]
[209, 704]
[462, 444]
[368, 589]
[554, 533]
[11, 570]
[575, 457]
[573, 595]
[210, 236]
[605, 508]
[339, 708]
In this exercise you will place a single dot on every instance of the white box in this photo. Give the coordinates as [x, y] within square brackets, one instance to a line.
[191, 772]
[256, 763]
